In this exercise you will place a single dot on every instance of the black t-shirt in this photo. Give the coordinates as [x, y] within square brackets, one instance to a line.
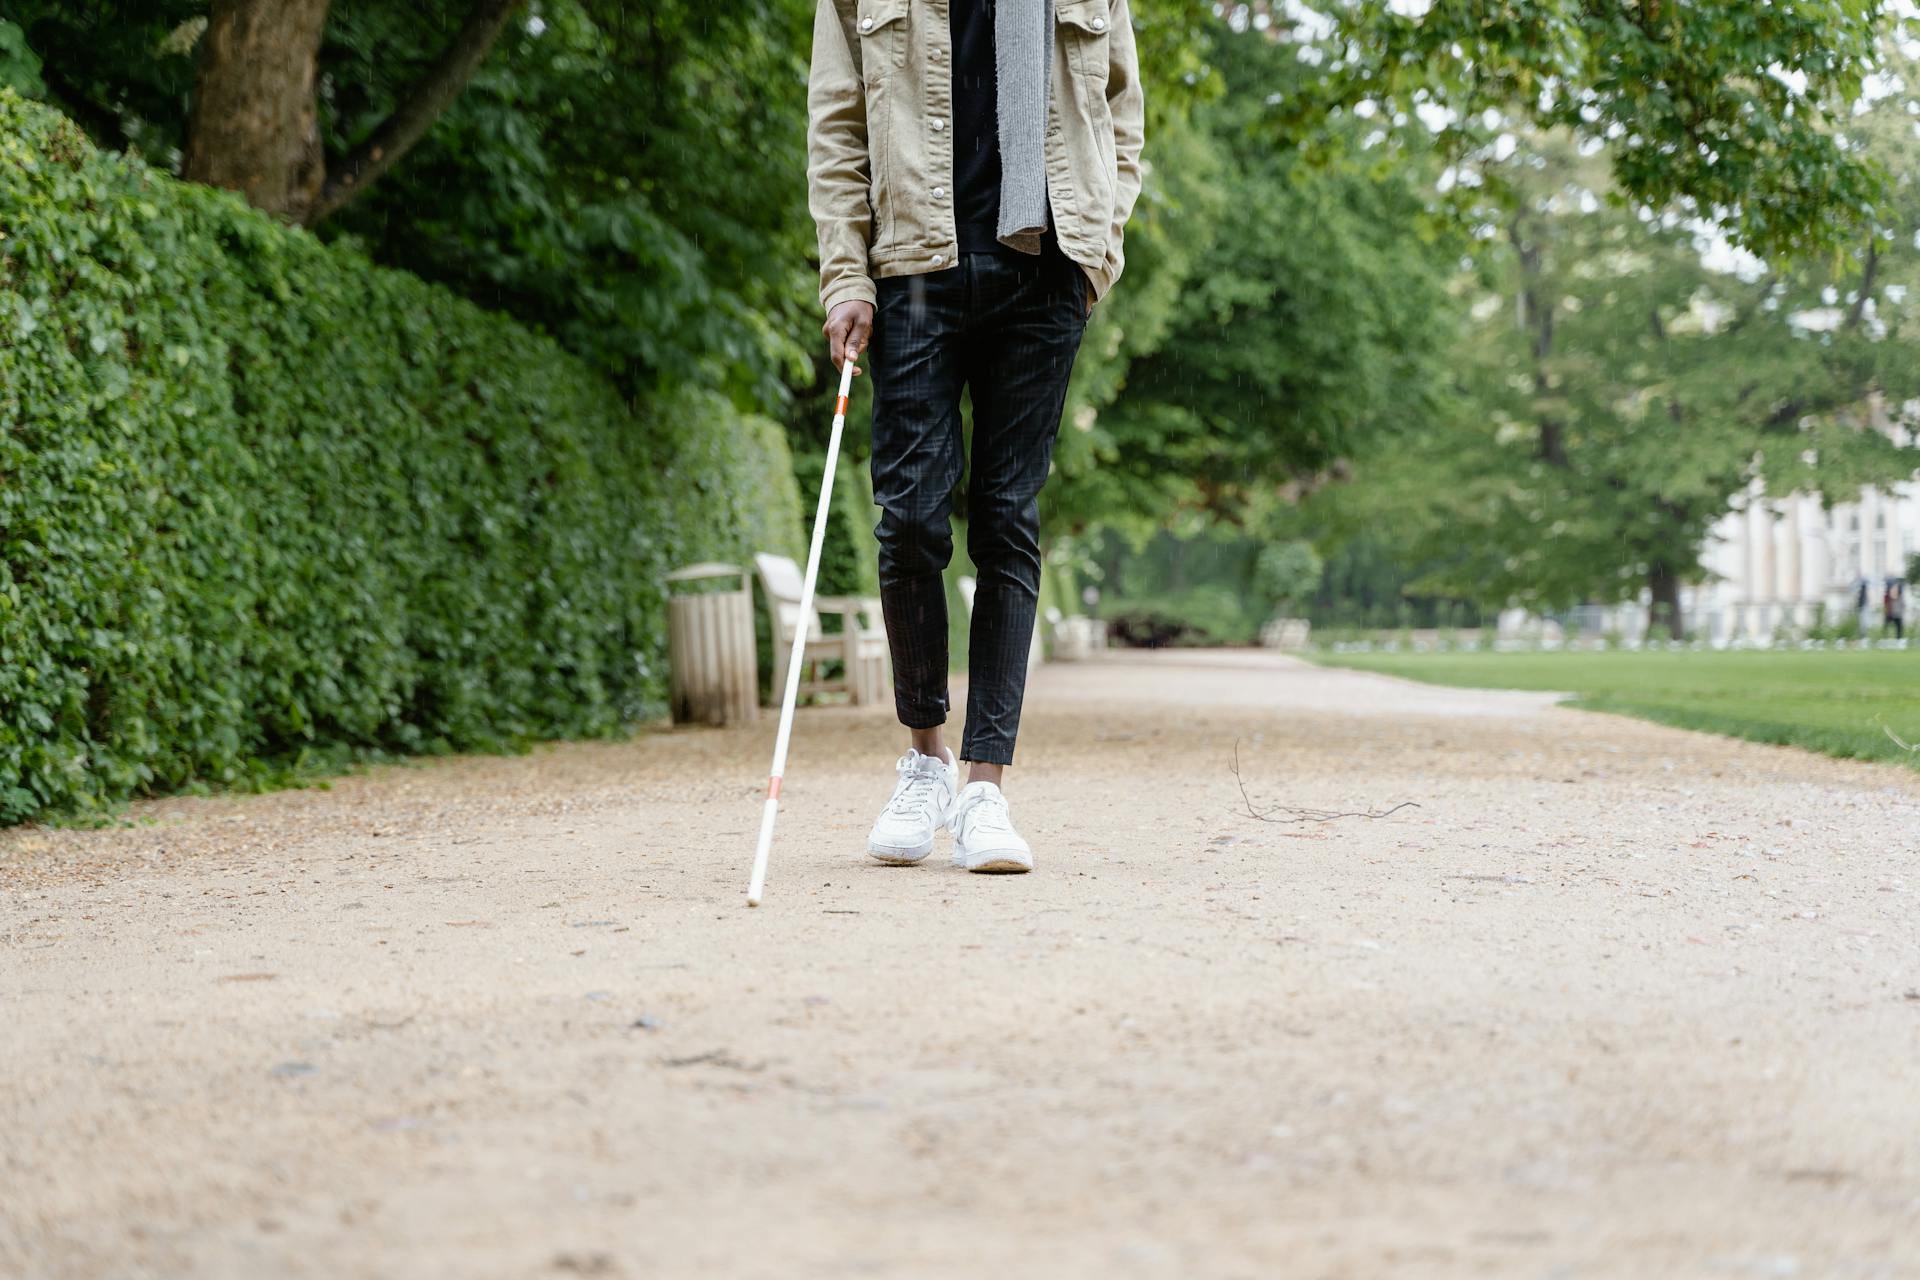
[976, 131]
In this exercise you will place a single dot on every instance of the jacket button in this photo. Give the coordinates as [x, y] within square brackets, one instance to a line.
[866, 24]
[938, 259]
[1099, 24]
[938, 125]
[938, 192]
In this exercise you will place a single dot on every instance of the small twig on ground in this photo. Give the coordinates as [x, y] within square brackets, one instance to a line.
[714, 1058]
[1899, 741]
[1295, 812]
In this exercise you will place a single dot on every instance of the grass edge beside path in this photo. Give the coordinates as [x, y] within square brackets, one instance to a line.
[1841, 704]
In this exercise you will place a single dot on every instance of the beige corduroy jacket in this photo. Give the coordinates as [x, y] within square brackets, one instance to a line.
[880, 144]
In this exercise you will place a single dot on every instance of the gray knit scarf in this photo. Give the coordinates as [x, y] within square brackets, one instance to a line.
[1022, 56]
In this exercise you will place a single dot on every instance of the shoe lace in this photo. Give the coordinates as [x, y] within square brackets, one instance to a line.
[916, 786]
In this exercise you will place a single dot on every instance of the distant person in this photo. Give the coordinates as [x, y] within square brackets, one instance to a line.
[970, 169]
[1893, 607]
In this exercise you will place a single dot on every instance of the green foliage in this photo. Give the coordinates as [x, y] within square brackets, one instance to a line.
[1286, 573]
[629, 177]
[260, 499]
[124, 72]
[1616, 395]
[1274, 317]
[19, 67]
[1191, 585]
[849, 557]
[1198, 617]
[1844, 628]
[1730, 111]
[1369, 579]
[1842, 704]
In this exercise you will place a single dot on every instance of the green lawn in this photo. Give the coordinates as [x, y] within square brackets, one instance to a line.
[1838, 702]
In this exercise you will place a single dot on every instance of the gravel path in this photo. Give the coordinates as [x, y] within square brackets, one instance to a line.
[1613, 1000]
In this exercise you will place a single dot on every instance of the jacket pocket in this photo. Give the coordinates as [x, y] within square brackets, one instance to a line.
[882, 25]
[1081, 28]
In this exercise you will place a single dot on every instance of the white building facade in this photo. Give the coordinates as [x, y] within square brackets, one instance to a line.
[1773, 567]
[1781, 564]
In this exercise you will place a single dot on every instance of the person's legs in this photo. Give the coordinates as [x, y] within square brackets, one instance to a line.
[1028, 318]
[919, 325]
[914, 360]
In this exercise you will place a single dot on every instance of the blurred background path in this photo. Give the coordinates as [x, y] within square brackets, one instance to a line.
[1613, 999]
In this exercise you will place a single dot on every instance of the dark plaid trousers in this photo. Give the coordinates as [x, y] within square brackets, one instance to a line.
[1006, 327]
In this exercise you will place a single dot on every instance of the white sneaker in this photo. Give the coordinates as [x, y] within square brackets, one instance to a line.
[903, 832]
[983, 834]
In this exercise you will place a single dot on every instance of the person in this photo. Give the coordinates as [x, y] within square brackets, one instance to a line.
[1893, 607]
[970, 171]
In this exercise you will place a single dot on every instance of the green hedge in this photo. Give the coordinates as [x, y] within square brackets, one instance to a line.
[849, 556]
[263, 502]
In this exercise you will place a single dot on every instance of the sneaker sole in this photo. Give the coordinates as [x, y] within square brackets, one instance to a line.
[1002, 864]
[896, 857]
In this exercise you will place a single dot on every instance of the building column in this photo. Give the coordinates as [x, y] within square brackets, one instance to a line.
[1870, 567]
[1760, 539]
[1794, 584]
[1749, 556]
[1899, 502]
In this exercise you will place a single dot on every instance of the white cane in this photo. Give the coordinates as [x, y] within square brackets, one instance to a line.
[797, 657]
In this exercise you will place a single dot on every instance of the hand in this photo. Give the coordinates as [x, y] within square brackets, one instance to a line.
[848, 328]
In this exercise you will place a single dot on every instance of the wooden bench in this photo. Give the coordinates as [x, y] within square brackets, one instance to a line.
[860, 646]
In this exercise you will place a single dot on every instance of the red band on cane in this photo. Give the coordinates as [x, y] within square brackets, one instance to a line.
[773, 787]
[840, 406]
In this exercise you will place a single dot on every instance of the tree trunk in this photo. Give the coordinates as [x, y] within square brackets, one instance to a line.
[1535, 316]
[254, 127]
[1553, 443]
[1868, 276]
[1664, 586]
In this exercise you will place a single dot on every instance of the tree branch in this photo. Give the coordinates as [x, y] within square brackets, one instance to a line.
[422, 105]
[1296, 813]
[1858, 311]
